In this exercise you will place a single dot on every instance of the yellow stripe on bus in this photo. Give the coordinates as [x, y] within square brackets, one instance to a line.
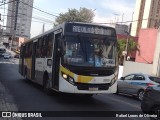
[80, 78]
[84, 79]
[28, 62]
[64, 70]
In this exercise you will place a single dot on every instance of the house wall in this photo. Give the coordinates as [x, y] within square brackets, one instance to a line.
[135, 67]
[147, 43]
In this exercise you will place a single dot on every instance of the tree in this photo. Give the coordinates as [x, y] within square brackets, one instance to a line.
[74, 15]
[132, 47]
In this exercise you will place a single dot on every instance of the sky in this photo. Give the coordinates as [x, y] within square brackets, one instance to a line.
[106, 11]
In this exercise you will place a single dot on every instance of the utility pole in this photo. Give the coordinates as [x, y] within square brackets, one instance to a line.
[122, 17]
[126, 48]
[43, 28]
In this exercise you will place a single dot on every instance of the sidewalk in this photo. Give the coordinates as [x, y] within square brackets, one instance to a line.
[7, 102]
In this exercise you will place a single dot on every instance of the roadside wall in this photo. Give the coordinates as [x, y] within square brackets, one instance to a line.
[147, 43]
[120, 73]
[135, 67]
[156, 60]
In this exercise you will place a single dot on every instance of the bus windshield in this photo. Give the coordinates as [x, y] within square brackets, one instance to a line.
[89, 52]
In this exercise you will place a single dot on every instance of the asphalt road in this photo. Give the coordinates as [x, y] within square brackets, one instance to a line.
[30, 97]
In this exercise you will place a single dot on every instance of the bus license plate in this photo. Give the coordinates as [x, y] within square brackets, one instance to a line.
[93, 89]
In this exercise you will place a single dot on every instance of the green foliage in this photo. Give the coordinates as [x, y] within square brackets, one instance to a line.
[74, 15]
[132, 46]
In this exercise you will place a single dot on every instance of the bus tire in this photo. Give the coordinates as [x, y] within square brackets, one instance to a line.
[46, 84]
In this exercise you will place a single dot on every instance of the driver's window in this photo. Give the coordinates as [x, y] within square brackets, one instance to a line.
[129, 77]
[69, 50]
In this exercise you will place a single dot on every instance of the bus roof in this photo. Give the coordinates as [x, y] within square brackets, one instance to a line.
[65, 23]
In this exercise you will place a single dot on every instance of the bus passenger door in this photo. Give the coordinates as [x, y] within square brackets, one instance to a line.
[56, 61]
[33, 60]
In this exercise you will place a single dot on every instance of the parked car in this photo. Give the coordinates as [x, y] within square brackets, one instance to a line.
[151, 101]
[2, 51]
[6, 55]
[136, 83]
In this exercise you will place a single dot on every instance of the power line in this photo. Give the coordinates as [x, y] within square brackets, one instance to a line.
[38, 18]
[46, 10]
[8, 2]
[45, 21]
[48, 21]
[33, 21]
[38, 13]
[32, 7]
[39, 9]
[57, 16]
[123, 22]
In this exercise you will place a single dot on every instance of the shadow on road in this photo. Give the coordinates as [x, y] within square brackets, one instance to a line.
[128, 96]
[68, 98]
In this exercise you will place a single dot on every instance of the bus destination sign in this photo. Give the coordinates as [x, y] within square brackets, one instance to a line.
[92, 30]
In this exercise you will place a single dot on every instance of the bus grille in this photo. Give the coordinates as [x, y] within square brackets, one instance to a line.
[95, 72]
[84, 86]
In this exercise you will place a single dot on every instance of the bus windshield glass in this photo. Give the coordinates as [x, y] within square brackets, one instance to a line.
[89, 52]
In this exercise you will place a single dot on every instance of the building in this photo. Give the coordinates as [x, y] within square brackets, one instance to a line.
[156, 59]
[147, 43]
[146, 15]
[120, 28]
[19, 18]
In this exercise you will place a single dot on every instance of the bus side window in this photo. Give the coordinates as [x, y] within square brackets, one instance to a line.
[26, 51]
[49, 45]
[38, 49]
[30, 50]
[43, 47]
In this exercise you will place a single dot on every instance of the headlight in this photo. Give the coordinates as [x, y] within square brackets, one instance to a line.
[64, 76]
[68, 78]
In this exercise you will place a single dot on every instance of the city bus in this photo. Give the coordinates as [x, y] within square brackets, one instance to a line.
[78, 58]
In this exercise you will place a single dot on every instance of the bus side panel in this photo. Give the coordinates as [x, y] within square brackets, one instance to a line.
[28, 64]
[20, 66]
[39, 70]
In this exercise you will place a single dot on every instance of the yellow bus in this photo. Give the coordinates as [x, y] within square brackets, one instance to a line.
[78, 58]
